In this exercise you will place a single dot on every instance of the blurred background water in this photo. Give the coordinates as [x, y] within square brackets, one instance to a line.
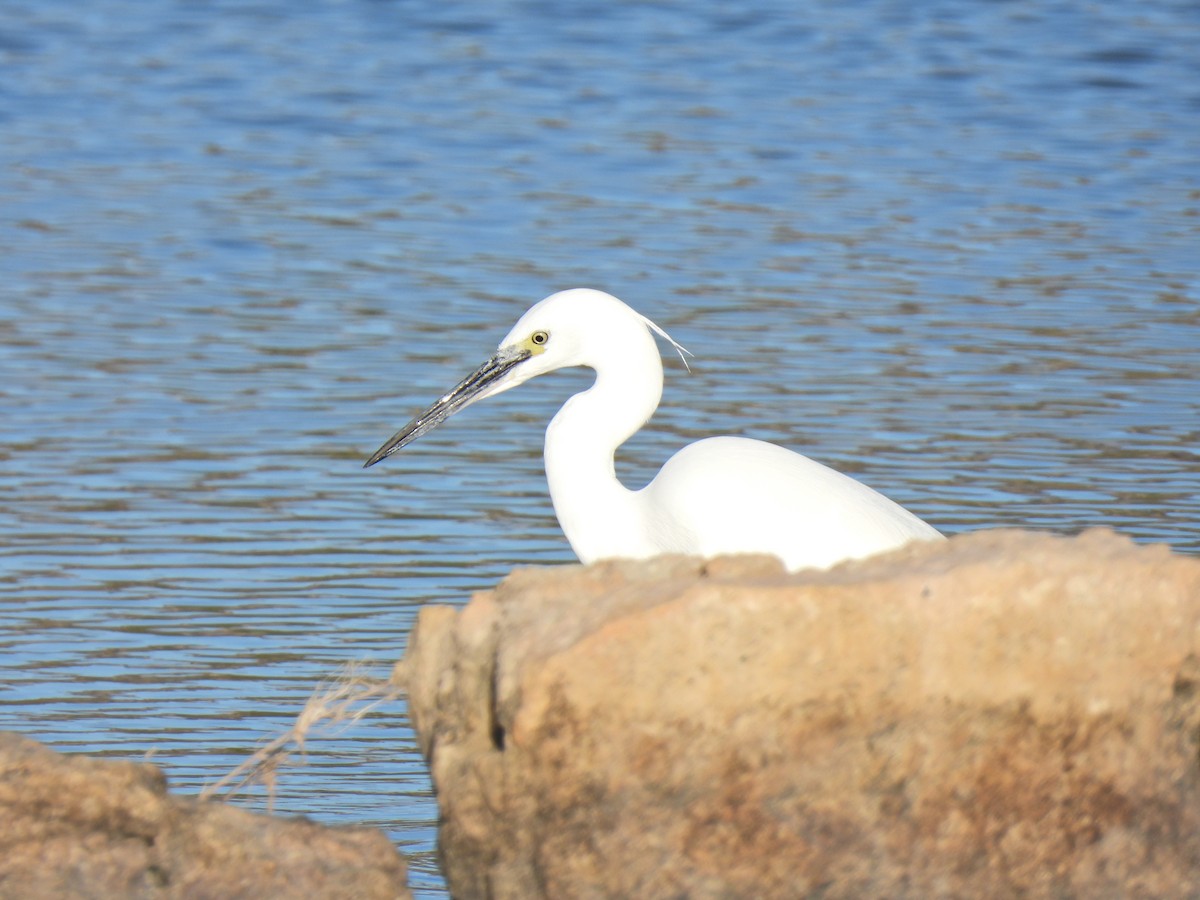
[952, 248]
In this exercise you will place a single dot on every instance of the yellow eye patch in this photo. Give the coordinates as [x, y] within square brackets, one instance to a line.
[536, 342]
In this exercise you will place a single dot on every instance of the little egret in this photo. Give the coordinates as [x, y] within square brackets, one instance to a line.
[718, 495]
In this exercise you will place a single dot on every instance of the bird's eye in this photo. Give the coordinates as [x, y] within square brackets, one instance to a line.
[540, 337]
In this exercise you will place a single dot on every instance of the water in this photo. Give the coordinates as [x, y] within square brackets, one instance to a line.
[953, 248]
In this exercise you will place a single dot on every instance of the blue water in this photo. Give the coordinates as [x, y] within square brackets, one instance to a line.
[952, 248]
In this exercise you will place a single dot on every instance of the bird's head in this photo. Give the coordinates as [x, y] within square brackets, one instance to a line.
[570, 328]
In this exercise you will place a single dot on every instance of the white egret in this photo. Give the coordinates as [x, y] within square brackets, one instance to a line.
[718, 495]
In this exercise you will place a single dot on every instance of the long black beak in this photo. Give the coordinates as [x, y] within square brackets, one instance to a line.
[463, 394]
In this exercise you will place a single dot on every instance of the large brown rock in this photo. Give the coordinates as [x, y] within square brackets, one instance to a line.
[79, 827]
[1001, 715]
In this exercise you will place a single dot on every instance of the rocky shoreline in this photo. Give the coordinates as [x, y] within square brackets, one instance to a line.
[1003, 714]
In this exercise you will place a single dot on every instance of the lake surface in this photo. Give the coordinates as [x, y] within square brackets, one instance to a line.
[952, 248]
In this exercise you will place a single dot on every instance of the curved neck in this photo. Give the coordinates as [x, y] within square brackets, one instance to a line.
[601, 517]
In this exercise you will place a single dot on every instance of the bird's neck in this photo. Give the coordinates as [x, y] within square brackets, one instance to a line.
[600, 516]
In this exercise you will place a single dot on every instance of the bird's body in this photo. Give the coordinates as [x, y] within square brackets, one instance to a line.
[816, 516]
[715, 496]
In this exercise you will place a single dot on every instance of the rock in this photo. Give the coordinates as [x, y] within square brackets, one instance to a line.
[1004, 714]
[74, 826]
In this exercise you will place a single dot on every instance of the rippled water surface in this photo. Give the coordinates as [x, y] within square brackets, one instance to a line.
[952, 248]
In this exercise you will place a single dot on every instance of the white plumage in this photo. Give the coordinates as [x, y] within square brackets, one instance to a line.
[719, 495]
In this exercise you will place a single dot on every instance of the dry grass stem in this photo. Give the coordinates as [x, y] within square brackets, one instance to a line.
[336, 704]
